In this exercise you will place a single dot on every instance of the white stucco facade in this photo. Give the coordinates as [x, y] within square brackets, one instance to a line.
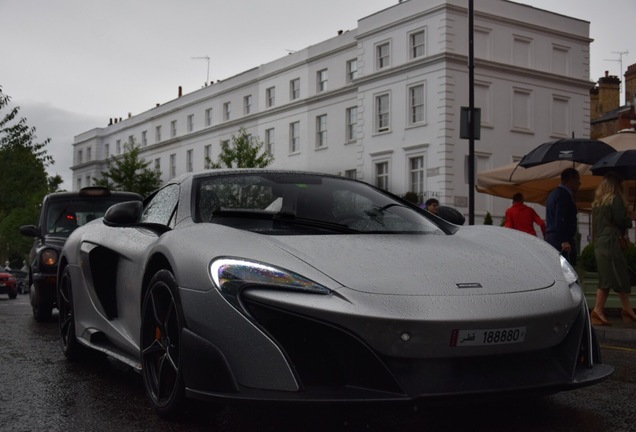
[395, 123]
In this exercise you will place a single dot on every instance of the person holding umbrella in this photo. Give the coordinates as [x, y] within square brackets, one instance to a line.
[610, 221]
[561, 211]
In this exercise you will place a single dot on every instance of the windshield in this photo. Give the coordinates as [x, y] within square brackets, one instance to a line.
[290, 202]
[63, 217]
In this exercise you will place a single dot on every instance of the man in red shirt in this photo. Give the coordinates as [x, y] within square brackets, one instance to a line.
[521, 217]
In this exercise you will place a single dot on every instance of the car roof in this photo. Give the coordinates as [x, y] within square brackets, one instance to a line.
[86, 193]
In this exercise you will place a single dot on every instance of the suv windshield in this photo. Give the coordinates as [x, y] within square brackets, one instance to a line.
[64, 216]
[280, 202]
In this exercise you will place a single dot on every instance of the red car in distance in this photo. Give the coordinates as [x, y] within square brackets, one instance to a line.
[8, 284]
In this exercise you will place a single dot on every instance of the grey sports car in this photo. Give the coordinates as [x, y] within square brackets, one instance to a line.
[261, 284]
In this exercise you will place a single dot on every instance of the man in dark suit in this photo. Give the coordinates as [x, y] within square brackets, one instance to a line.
[561, 215]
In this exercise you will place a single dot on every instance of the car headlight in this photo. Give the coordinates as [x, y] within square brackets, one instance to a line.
[231, 275]
[568, 271]
[48, 257]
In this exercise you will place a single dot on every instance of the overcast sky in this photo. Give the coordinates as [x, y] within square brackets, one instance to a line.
[72, 64]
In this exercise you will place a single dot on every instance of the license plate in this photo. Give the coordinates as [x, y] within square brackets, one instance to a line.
[483, 337]
[2, 285]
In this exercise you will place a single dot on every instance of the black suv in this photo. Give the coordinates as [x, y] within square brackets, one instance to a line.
[61, 213]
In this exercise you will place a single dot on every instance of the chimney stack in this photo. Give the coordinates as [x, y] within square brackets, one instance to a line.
[609, 93]
[180, 91]
[630, 85]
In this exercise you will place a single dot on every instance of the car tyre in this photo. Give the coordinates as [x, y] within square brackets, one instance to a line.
[12, 296]
[42, 308]
[161, 325]
[71, 348]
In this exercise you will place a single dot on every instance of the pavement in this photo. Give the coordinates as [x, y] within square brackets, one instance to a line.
[618, 332]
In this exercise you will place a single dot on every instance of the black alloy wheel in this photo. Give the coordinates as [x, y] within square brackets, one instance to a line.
[161, 325]
[71, 348]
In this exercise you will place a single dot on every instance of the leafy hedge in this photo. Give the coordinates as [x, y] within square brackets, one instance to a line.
[588, 261]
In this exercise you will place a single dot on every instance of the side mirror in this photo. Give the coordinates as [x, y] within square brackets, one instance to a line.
[30, 230]
[126, 213]
[451, 215]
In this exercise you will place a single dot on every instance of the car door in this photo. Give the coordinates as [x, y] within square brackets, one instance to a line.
[115, 258]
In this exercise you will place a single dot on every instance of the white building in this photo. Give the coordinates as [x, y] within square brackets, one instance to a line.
[382, 101]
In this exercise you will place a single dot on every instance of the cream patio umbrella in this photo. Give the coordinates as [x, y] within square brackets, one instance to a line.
[537, 182]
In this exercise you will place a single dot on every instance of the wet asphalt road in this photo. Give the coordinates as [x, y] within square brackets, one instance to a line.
[41, 391]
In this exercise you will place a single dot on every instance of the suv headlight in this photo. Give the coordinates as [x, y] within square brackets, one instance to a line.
[49, 257]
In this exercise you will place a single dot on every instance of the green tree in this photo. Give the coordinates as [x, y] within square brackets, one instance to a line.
[242, 151]
[23, 180]
[130, 173]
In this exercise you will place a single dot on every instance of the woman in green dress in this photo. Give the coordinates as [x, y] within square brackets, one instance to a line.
[611, 220]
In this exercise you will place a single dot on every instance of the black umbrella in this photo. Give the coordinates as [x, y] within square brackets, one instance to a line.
[622, 163]
[582, 150]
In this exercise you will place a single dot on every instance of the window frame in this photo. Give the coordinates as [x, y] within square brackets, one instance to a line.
[294, 137]
[378, 115]
[414, 105]
[351, 124]
[322, 80]
[270, 97]
[294, 89]
[382, 61]
[413, 48]
[321, 131]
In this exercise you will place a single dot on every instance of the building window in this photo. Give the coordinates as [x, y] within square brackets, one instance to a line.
[417, 44]
[294, 137]
[158, 134]
[131, 141]
[190, 122]
[352, 122]
[352, 70]
[416, 176]
[270, 138]
[383, 55]
[173, 165]
[522, 51]
[208, 117]
[88, 180]
[484, 100]
[294, 89]
[118, 147]
[382, 175]
[321, 131]
[351, 173]
[247, 104]
[560, 60]
[158, 165]
[79, 183]
[270, 97]
[560, 116]
[227, 111]
[144, 138]
[173, 128]
[89, 154]
[207, 156]
[382, 113]
[189, 161]
[416, 104]
[79, 157]
[106, 151]
[522, 118]
[321, 80]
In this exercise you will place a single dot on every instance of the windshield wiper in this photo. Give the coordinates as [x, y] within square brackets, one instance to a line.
[291, 219]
